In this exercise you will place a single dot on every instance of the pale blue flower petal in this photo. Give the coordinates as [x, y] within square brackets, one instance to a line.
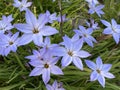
[47, 41]
[106, 67]
[116, 37]
[106, 23]
[99, 63]
[78, 63]
[91, 11]
[46, 75]
[94, 76]
[36, 63]
[49, 87]
[88, 41]
[31, 57]
[54, 60]
[25, 39]
[90, 64]
[66, 60]
[47, 31]
[28, 4]
[82, 54]
[15, 36]
[36, 71]
[78, 32]
[107, 31]
[101, 80]
[77, 45]
[59, 51]
[82, 28]
[42, 20]
[25, 28]
[114, 23]
[55, 84]
[56, 70]
[92, 39]
[37, 39]
[89, 31]
[17, 3]
[99, 7]
[6, 51]
[30, 18]
[13, 48]
[75, 37]
[67, 42]
[108, 75]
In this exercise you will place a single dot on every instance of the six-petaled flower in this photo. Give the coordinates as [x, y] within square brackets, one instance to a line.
[112, 28]
[5, 24]
[23, 5]
[100, 71]
[35, 29]
[71, 52]
[85, 34]
[9, 43]
[93, 8]
[45, 66]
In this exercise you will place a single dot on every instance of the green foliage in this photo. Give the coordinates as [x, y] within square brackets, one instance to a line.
[14, 70]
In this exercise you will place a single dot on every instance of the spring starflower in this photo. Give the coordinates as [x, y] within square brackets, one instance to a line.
[71, 52]
[23, 5]
[34, 29]
[112, 28]
[45, 66]
[100, 71]
[9, 43]
[96, 9]
[85, 34]
[5, 24]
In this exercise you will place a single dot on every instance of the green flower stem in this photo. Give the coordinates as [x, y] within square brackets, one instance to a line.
[19, 62]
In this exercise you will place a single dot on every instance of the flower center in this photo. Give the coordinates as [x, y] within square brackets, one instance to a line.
[46, 66]
[70, 53]
[10, 43]
[85, 35]
[35, 31]
[59, 85]
[98, 71]
[114, 30]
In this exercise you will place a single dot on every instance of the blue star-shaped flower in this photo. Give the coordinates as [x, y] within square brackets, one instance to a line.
[45, 66]
[112, 28]
[34, 29]
[100, 71]
[8, 43]
[85, 34]
[23, 5]
[5, 24]
[96, 8]
[71, 52]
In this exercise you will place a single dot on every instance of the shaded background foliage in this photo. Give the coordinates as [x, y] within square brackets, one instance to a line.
[13, 77]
